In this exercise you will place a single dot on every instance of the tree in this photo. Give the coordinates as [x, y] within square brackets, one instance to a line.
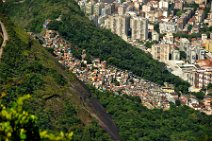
[179, 13]
[17, 124]
[189, 27]
[177, 102]
[209, 87]
[199, 95]
[149, 44]
[183, 55]
[156, 27]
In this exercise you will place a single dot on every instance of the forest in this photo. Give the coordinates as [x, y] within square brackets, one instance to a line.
[137, 123]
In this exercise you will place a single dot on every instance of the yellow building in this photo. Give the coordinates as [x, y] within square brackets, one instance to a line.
[168, 90]
[208, 45]
[200, 1]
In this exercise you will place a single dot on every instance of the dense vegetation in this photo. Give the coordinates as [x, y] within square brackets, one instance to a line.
[98, 42]
[17, 124]
[136, 123]
[27, 68]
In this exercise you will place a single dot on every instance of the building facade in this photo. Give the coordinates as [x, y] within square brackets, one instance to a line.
[203, 74]
[139, 28]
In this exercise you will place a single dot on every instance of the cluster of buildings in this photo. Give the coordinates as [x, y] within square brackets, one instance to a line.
[135, 20]
[190, 60]
[159, 20]
[105, 77]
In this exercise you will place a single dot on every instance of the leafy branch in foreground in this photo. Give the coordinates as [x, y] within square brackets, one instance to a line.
[17, 124]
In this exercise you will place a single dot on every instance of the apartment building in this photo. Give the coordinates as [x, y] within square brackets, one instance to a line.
[207, 45]
[139, 28]
[118, 24]
[161, 52]
[203, 74]
[168, 27]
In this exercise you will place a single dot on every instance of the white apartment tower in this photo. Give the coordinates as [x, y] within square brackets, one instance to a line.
[139, 28]
[97, 9]
[89, 8]
[118, 24]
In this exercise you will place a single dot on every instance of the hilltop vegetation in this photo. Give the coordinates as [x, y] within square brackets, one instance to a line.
[27, 68]
[77, 29]
[136, 123]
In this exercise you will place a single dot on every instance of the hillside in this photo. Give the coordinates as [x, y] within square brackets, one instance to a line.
[62, 102]
[97, 42]
[59, 99]
[137, 123]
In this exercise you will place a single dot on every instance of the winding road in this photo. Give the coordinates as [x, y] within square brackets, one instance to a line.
[5, 38]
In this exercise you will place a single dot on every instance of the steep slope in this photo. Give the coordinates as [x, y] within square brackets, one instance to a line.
[59, 99]
[31, 14]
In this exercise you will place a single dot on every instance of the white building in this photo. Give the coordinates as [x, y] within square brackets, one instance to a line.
[163, 4]
[155, 36]
[118, 24]
[168, 27]
[139, 28]
[89, 8]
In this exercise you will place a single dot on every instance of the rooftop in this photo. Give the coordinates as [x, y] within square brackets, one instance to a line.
[205, 63]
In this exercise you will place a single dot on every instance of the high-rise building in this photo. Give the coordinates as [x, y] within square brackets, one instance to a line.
[89, 8]
[203, 74]
[118, 24]
[161, 52]
[82, 6]
[97, 9]
[163, 4]
[168, 27]
[155, 36]
[139, 28]
[207, 45]
[107, 10]
[122, 9]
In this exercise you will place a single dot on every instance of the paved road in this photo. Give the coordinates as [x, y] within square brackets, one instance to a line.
[5, 39]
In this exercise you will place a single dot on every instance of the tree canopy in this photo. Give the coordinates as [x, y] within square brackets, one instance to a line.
[137, 123]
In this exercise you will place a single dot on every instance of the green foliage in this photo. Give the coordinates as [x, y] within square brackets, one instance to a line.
[183, 55]
[17, 124]
[177, 102]
[136, 123]
[26, 67]
[179, 13]
[97, 42]
[209, 87]
[189, 27]
[149, 44]
[200, 95]
[189, 36]
[31, 17]
[207, 10]
[192, 5]
[156, 27]
[206, 30]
